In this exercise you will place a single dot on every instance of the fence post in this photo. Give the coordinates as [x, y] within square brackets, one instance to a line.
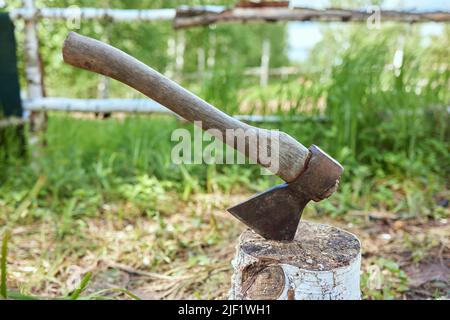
[211, 59]
[175, 51]
[322, 263]
[179, 51]
[104, 81]
[265, 62]
[171, 49]
[33, 72]
[201, 63]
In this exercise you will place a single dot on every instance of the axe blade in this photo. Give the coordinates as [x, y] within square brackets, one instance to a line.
[274, 214]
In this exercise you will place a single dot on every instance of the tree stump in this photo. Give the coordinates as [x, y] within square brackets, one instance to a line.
[322, 263]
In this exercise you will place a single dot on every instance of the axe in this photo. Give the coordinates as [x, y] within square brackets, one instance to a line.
[310, 173]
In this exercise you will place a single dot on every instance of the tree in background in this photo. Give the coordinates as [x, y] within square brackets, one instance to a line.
[232, 45]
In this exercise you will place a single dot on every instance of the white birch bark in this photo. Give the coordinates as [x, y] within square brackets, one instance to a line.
[322, 263]
[115, 15]
[265, 62]
[137, 106]
[33, 73]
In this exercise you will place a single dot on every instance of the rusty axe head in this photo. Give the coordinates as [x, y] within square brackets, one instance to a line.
[275, 213]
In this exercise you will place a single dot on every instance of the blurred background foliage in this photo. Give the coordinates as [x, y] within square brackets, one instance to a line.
[381, 97]
[382, 118]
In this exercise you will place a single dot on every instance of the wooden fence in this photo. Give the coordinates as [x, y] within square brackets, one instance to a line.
[181, 18]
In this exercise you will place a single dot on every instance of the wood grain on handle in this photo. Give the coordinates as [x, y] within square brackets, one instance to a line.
[96, 56]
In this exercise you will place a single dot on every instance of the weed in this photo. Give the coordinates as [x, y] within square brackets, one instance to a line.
[3, 263]
[384, 280]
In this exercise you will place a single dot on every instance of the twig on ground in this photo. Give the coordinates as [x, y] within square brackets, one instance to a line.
[153, 275]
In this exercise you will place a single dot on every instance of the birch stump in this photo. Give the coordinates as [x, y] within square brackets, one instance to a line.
[322, 263]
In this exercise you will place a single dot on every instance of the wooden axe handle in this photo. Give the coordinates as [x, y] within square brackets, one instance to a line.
[96, 56]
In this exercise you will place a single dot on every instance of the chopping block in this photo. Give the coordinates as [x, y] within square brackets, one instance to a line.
[322, 263]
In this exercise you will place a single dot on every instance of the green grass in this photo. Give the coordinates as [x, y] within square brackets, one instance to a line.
[75, 295]
[385, 126]
[83, 284]
[3, 261]
[88, 163]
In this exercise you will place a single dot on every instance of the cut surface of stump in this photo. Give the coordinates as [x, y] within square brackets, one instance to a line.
[323, 262]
